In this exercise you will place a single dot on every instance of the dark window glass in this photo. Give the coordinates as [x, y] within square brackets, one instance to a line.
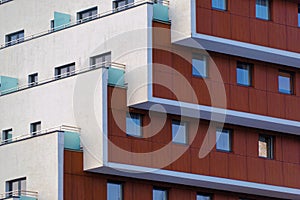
[244, 73]
[114, 191]
[33, 79]
[65, 70]
[265, 146]
[7, 135]
[203, 196]
[223, 140]
[101, 60]
[285, 82]
[179, 132]
[263, 9]
[14, 38]
[121, 4]
[219, 4]
[160, 194]
[35, 128]
[87, 15]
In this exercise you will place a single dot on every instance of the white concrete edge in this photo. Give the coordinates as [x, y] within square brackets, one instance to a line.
[150, 52]
[60, 138]
[105, 115]
[225, 183]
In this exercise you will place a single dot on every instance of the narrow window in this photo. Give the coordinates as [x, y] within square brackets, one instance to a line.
[7, 135]
[87, 15]
[201, 196]
[14, 38]
[263, 9]
[199, 65]
[219, 4]
[299, 15]
[65, 70]
[52, 25]
[244, 73]
[35, 128]
[223, 140]
[33, 79]
[121, 4]
[160, 194]
[265, 146]
[114, 191]
[102, 60]
[179, 132]
[15, 187]
[134, 124]
[285, 82]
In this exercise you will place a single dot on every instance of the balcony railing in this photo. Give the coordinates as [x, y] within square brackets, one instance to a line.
[19, 195]
[64, 128]
[107, 65]
[164, 3]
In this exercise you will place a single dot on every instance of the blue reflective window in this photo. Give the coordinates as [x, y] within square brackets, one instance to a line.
[263, 9]
[134, 124]
[179, 133]
[223, 140]
[285, 82]
[219, 4]
[203, 197]
[244, 73]
[199, 66]
[114, 191]
[160, 194]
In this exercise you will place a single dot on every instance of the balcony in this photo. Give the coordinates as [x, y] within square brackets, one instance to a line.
[19, 195]
[161, 10]
[7, 84]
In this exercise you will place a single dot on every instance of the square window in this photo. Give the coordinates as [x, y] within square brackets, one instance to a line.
[35, 128]
[219, 4]
[102, 60]
[285, 82]
[265, 146]
[223, 140]
[64, 71]
[7, 135]
[14, 38]
[114, 191]
[33, 79]
[263, 9]
[179, 132]
[203, 196]
[134, 124]
[199, 65]
[159, 194]
[244, 73]
[15, 187]
[87, 15]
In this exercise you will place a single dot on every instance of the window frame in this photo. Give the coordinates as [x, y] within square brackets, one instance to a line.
[33, 126]
[194, 67]
[58, 74]
[9, 186]
[250, 67]
[292, 82]
[180, 123]
[30, 76]
[204, 195]
[10, 42]
[160, 189]
[104, 56]
[80, 18]
[220, 9]
[115, 183]
[230, 133]
[269, 3]
[116, 2]
[5, 138]
[270, 147]
[129, 117]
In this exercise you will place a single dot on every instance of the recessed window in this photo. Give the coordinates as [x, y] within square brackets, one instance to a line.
[199, 65]
[121, 4]
[219, 4]
[65, 70]
[299, 15]
[160, 194]
[33, 79]
[201, 196]
[4, 1]
[179, 132]
[87, 15]
[223, 140]
[265, 146]
[101, 60]
[114, 191]
[263, 9]
[244, 73]
[7, 135]
[15, 187]
[35, 128]
[134, 124]
[14, 38]
[285, 82]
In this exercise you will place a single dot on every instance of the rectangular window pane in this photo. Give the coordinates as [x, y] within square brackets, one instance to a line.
[219, 4]
[7, 135]
[160, 194]
[199, 67]
[114, 191]
[223, 140]
[65, 71]
[262, 9]
[285, 82]
[101, 60]
[244, 73]
[203, 197]
[33, 79]
[179, 134]
[87, 15]
[134, 124]
[14, 38]
[35, 127]
[15, 187]
[265, 146]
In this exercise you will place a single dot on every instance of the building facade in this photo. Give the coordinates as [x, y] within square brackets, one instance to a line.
[127, 100]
